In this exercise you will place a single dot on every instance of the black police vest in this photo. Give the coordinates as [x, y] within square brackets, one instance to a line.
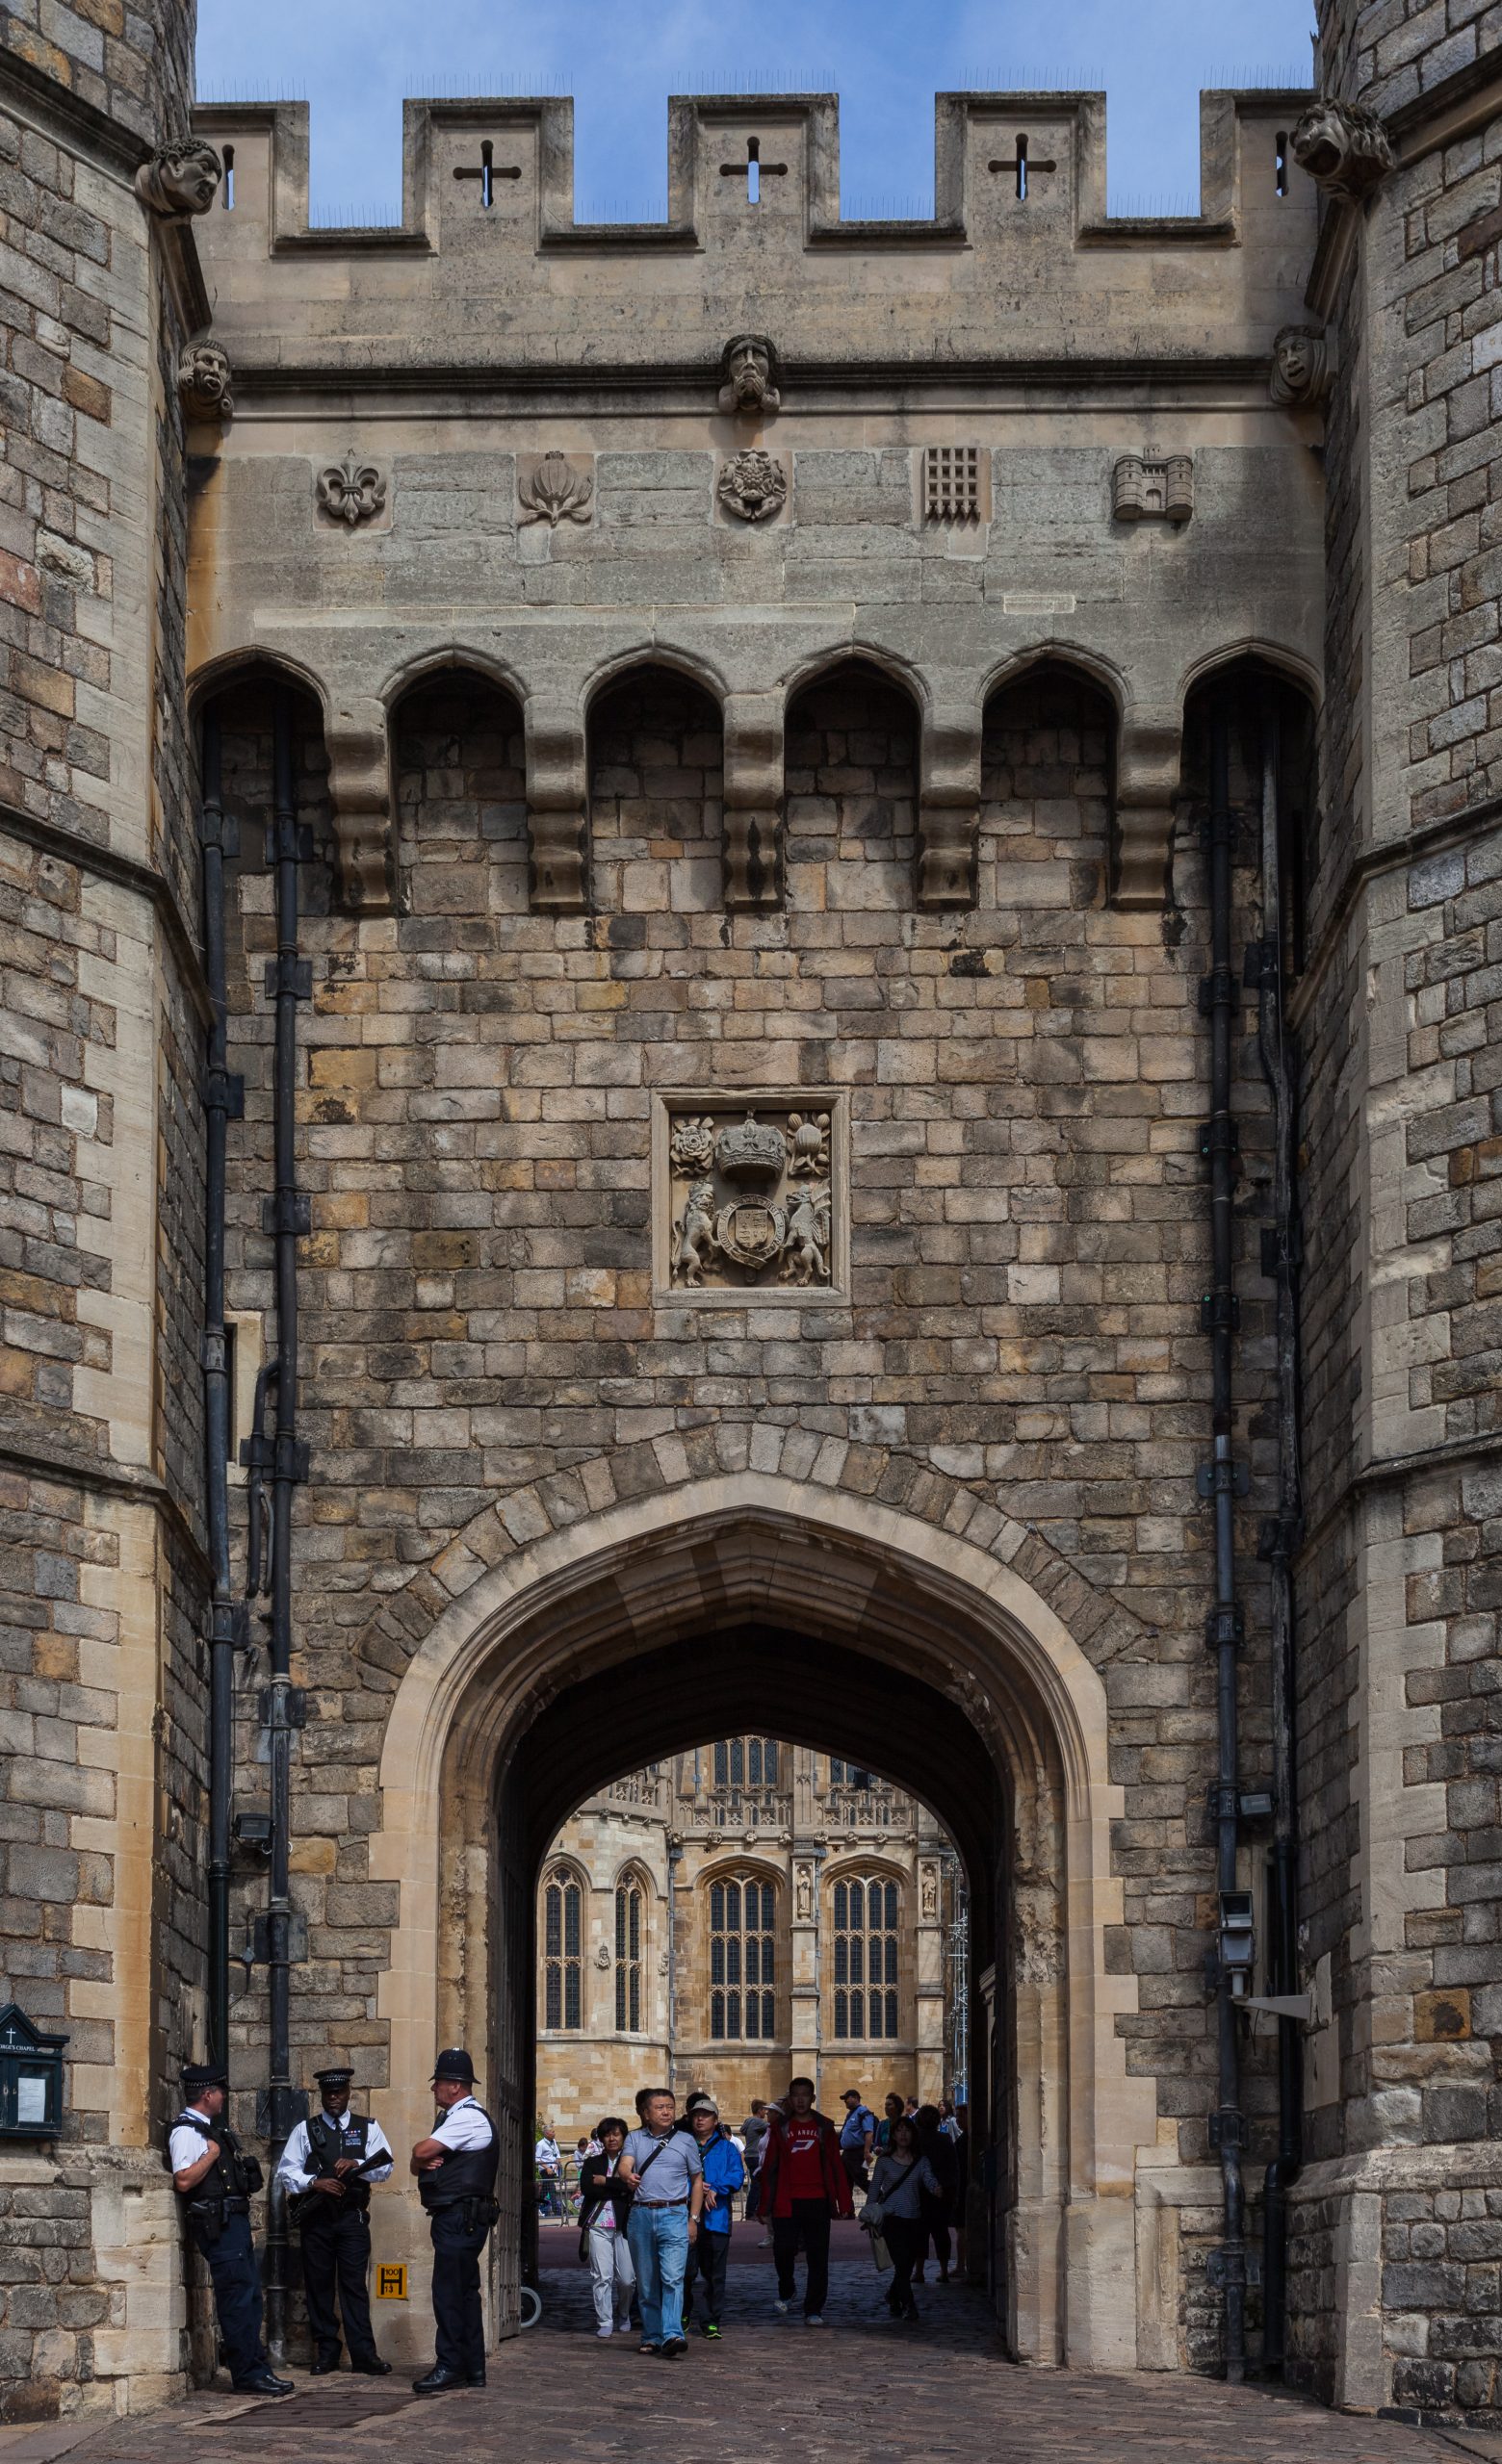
[325, 2147]
[228, 2177]
[466, 2172]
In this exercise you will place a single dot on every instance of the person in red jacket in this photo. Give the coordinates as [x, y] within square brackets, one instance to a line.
[804, 2185]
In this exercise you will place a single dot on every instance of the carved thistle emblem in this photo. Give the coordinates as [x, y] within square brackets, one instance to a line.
[351, 492]
[555, 492]
[753, 485]
[751, 1200]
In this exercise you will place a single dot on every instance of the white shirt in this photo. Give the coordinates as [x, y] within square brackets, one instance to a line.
[463, 2125]
[295, 2171]
[547, 2153]
[186, 2144]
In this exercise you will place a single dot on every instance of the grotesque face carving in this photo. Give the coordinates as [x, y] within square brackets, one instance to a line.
[183, 178]
[203, 382]
[1299, 366]
[1343, 146]
[748, 387]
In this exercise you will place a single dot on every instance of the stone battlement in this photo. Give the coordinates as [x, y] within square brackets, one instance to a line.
[1019, 263]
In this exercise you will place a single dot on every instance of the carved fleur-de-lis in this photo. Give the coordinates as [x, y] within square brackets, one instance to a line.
[350, 490]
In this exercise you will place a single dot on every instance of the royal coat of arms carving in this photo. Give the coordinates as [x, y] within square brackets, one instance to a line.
[751, 1198]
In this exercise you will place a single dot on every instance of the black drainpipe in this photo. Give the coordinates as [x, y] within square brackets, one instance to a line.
[285, 1216]
[223, 1101]
[1279, 1542]
[1221, 1480]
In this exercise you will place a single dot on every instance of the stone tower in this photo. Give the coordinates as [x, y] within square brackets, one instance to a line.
[100, 1198]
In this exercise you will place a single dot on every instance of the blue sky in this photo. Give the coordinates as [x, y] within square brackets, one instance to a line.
[353, 60]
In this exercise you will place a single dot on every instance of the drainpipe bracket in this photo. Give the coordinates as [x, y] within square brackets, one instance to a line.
[279, 2110]
[1217, 1479]
[1228, 2129]
[1224, 1628]
[296, 1700]
[287, 974]
[1280, 1538]
[1232, 2266]
[288, 1211]
[217, 828]
[285, 841]
[1220, 1313]
[224, 1091]
[230, 1621]
[1217, 990]
[1219, 1136]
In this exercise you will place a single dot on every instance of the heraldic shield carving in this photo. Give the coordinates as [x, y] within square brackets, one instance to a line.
[749, 1199]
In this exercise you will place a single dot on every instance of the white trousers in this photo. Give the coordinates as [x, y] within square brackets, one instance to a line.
[613, 2277]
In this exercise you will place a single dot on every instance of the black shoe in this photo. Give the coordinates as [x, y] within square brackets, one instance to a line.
[325, 2362]
[264, 2384]
[477, 2378]
[437, 2380]
[374, 2367]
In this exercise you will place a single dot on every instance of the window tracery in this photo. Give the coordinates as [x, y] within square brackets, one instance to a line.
[867, 1913]
[742, 1960]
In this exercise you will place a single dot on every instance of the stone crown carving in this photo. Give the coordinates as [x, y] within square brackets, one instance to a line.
[1344, 148]
[555, 492]
[1301, 367]
[1143, 491]
[753, 485]
[352, 491]
[181, 178]
[203, 382]
[748, 391]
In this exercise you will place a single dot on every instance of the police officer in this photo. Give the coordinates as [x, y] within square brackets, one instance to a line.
[455, 2168]
[214, 2180]
[327, 2168]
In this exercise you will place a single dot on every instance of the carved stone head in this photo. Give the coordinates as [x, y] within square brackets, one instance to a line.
[203, 382]
[1343, 146]
[1301, 367]
[748, 387]
[183, 178]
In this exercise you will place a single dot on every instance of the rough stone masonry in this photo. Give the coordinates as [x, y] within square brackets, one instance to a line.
[761, 696]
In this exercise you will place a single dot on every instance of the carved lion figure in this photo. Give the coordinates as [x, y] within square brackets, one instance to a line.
[204, 384]
[182, 178]
[806, 1251]
[1343, 146]
[696, 1242]
[1301, 366]
[748, 387]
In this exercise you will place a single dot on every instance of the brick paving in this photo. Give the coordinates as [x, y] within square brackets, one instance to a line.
[861, 2388]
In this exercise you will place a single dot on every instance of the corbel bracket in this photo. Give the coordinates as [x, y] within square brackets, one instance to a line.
[556, 810]
[948, 810]
[359, 788]
[1148, 757]
[753, 801]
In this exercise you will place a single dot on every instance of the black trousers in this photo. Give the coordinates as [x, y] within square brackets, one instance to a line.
[336, 2253]
[935, 2228]
[709, 2257]
[237, 2295]
[460, 2339]
[905, 2238]
[809, 2224]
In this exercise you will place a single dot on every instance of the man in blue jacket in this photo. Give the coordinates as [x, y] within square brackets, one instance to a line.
[724, 2174]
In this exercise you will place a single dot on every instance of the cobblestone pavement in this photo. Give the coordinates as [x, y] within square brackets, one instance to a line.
[861, 2388]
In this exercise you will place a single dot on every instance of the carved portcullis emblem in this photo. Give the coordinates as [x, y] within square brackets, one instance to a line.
[748, 1198]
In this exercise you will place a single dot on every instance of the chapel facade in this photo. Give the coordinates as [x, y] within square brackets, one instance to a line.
[751, 990]
[745, 1913]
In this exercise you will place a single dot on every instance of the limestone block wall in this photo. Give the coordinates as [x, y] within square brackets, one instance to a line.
[100, 1695]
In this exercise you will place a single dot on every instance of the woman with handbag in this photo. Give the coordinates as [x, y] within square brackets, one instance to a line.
[604, 2205]
[894, 2209]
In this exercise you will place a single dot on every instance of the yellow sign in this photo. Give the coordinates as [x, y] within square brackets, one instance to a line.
[391, 2282]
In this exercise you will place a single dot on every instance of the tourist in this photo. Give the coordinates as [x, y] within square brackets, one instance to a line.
[804, 2187]
[709, 2252]
[903, 2177]
[604, 2206]
[892, 2110]
[660, 2167]
[857, 2138]
[548, 2157]
[936, 2206]
[961, 2183]
[753, 2131]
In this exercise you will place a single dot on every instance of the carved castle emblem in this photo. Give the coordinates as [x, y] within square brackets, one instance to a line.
[553, 491]
[751, 1200]
[350, 490]
[753, 485]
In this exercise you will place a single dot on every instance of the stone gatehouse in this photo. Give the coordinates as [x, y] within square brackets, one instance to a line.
[751, 974]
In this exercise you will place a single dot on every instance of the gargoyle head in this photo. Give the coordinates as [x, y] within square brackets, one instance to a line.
[748, 365]
[182, 178]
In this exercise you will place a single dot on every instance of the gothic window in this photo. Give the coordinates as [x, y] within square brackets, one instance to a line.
[866, 1960]
[630, 1921]
[742, 1962]
[746, 1761]
[563, 1950]
[850, 1775]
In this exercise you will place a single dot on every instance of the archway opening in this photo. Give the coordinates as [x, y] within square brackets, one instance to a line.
[657, 758]
[852, 782]
[459, 774]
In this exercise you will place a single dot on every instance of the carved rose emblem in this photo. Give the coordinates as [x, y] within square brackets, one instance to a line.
[691, 1145]
[555, 492]
[753, 485]
[351, 492]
